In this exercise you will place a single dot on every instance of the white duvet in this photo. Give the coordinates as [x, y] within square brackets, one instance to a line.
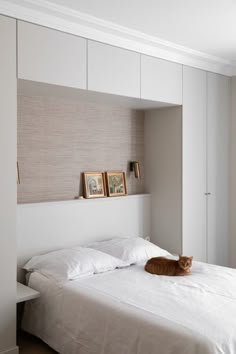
[129, 311]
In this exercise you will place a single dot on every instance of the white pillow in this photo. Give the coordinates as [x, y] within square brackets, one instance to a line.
[72, 263]
[132, 250]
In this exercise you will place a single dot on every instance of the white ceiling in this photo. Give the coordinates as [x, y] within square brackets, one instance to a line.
[205, 25]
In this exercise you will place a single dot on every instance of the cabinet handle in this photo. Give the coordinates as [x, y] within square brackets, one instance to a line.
[207, 193]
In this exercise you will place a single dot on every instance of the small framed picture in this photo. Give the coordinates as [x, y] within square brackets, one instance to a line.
[94, 186]
[116, 183]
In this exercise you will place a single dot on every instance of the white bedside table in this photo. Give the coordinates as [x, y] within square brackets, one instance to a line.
[25, 293]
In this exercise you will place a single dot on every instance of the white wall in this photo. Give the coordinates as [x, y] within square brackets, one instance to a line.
[163, 178]
[232, 195]
[69, 223]
[8, 185]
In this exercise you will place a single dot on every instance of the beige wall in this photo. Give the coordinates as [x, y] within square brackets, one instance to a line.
[59, 138]
[163, 161]
[232, 194]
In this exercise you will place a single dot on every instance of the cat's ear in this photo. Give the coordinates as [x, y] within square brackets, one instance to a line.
[180, 256]
[191, 258]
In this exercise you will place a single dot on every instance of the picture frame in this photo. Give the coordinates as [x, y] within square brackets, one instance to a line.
[116, 183]
[94, 184]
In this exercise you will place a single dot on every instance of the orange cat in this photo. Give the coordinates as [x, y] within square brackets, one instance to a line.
[165, 266]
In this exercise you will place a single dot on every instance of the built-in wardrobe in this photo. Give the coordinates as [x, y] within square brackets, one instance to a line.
[187, 152]
[188, 180]
[186, 138]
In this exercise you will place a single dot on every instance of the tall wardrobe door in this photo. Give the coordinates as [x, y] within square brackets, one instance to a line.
[8, 126]
[194, 163]
[217, 162]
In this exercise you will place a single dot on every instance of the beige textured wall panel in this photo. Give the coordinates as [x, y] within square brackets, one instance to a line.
[60, 138]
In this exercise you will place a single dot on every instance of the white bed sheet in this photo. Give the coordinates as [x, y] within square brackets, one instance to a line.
[129, 311]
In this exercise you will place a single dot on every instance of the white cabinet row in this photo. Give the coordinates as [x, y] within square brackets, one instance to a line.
[54, 57]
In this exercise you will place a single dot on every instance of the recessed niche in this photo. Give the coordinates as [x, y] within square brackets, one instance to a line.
[63, 132]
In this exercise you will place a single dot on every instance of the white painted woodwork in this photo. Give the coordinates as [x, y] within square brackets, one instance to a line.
[82, 24]
[50, 56]
[8, 185]
[113, 70]
[32, 88]
[25, 293]
[161, 80]
[163, 178]
[218, 117]
[232, 170]
[194, 163]
[14, 350]
[43, 227]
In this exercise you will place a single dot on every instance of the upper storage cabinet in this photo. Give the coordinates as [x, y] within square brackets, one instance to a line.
[161, 80]
[50, 56]
[113, 70]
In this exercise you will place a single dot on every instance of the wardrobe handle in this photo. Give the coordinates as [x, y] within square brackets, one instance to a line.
[207, 193]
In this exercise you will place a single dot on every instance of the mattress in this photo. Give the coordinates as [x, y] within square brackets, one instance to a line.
[129, 311]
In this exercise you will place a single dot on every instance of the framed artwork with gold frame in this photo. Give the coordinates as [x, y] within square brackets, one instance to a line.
[94, 185]
[116, 183]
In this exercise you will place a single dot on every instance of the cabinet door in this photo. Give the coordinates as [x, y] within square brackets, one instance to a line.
[217, 162]
[161, 80]
[50, 56]
[113, 70]
[194, 163]
[8, 124]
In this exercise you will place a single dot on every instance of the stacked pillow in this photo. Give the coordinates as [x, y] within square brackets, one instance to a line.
[70, 264]
[131, 250]
[98, 257]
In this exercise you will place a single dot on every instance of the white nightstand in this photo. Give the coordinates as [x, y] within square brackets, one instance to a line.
[25, 293]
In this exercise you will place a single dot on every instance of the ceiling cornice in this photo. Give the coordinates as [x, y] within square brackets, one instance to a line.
[46, 13]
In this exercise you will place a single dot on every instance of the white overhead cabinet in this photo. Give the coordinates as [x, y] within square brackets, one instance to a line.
[50, 56]
[113, 70]
[161, 80]
[194, 157]
[218, 116]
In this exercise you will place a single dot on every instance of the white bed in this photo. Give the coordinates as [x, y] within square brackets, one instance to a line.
[129, 311]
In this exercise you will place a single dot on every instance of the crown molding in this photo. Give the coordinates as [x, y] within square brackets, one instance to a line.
[49, 14]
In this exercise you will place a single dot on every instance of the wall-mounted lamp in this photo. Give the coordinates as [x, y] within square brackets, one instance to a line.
[17, 173]
[134, 167]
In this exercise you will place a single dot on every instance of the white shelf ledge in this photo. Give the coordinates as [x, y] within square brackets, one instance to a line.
[25, 293]
[85, 200]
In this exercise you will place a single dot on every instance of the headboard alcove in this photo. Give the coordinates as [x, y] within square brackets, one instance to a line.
[43, 227]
